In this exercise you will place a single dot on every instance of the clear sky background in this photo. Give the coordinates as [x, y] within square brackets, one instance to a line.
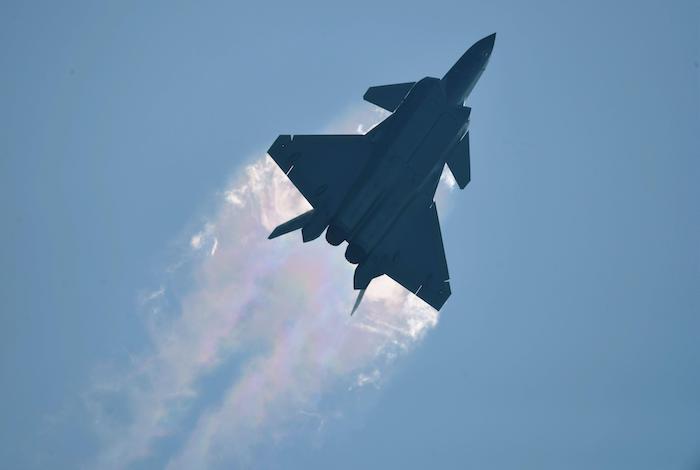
[572, 338]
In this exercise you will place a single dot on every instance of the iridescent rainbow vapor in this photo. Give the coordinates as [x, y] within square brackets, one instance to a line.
[278, 310]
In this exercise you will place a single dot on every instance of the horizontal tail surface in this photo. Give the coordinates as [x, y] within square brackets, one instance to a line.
[291, 225]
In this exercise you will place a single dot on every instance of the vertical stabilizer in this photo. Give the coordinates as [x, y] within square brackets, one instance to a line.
[458, 162]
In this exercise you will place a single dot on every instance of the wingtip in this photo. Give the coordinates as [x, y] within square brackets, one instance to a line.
[275, 233]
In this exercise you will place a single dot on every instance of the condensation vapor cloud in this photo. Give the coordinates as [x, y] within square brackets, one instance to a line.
[278, 310]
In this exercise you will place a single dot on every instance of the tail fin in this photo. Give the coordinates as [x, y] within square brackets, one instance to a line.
[458, 161]
[291, 225]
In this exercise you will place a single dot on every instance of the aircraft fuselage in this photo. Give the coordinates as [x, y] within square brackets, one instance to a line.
[409, 152]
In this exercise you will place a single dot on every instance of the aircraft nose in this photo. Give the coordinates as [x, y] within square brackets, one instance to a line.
[463, 75]
[486, 44]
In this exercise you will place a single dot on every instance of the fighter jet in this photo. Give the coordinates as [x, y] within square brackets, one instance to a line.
[376, 190]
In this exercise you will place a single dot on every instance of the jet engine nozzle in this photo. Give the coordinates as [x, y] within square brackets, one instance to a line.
[355, 254]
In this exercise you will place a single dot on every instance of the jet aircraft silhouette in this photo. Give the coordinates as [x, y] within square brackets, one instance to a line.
[376, 191]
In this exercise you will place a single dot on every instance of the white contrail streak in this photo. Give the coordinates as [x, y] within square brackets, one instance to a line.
[277, 309]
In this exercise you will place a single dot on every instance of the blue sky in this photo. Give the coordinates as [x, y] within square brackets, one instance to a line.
[571, 337]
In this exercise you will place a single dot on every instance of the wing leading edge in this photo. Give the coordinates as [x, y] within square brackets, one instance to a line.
[322, 167]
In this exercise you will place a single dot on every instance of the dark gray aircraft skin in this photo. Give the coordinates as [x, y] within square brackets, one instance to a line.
[376, 191]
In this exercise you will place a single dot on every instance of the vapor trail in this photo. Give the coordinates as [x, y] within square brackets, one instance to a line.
[278, 311]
